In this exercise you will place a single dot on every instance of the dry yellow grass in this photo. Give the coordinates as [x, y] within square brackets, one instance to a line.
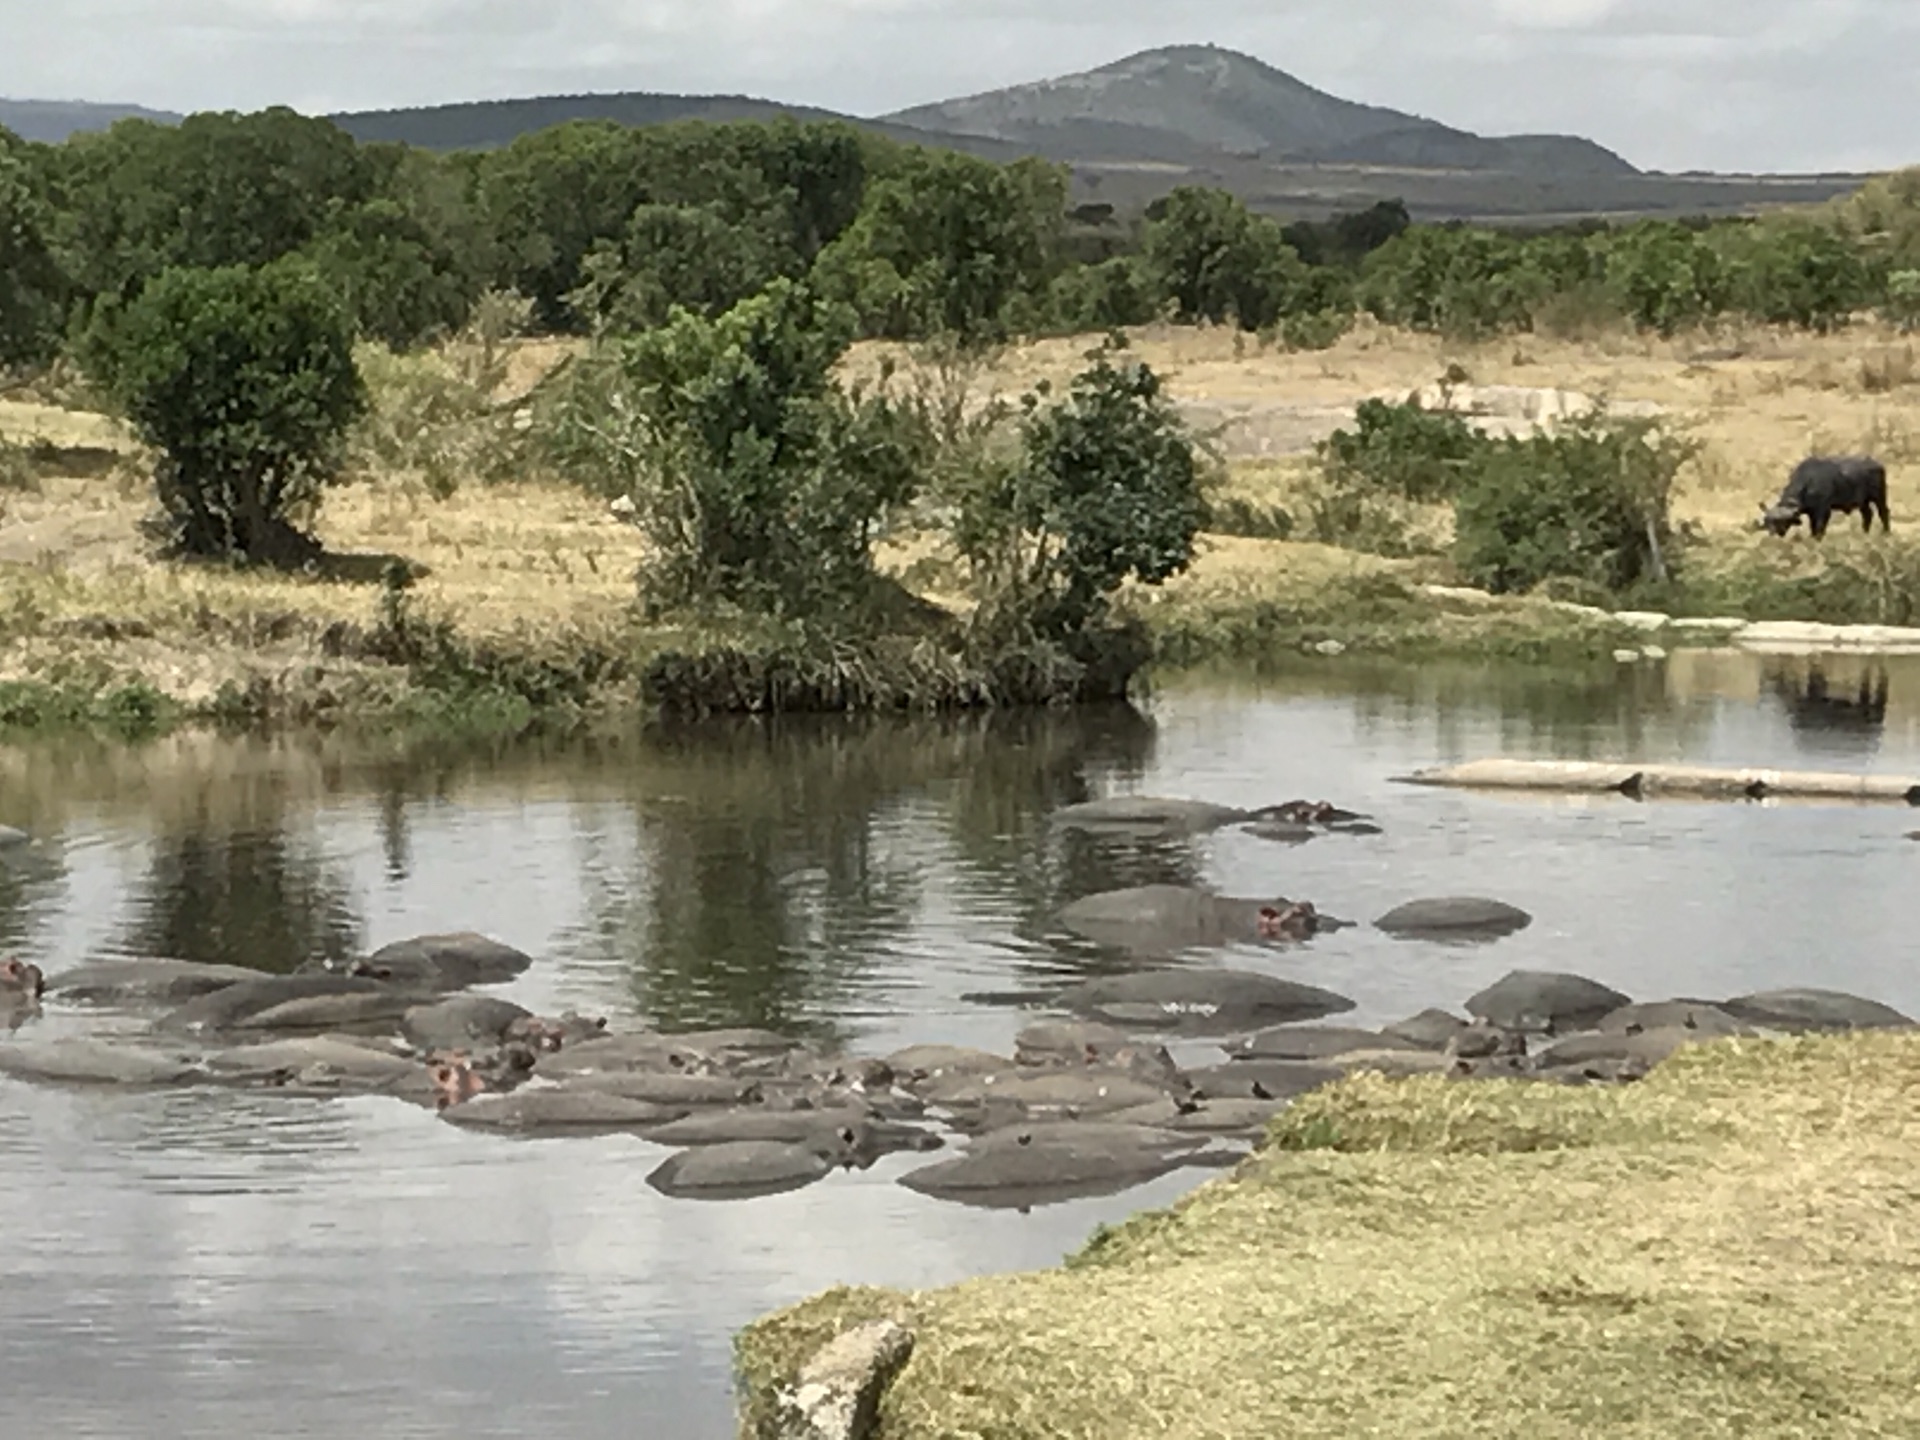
[1728, 1248]
[519, 558]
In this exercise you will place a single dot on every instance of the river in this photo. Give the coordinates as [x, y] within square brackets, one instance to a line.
[224, 1266]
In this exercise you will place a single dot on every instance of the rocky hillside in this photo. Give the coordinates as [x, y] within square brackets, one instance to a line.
[1185, 102]
[52, 121]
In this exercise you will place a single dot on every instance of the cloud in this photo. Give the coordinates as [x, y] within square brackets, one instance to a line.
[1674, 84]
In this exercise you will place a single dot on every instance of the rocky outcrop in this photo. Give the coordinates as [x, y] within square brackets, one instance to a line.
[836, 1395]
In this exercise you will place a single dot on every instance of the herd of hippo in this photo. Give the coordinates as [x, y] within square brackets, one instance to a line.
[1090, 1101]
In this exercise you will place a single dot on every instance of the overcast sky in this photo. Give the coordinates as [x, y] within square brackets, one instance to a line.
[1671, 84]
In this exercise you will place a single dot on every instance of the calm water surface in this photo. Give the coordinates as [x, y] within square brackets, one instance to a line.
[214, 1266]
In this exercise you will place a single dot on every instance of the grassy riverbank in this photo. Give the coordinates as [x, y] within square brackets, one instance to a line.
[525, 585]
[1726, 1248]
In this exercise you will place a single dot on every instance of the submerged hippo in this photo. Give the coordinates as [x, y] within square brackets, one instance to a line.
[322, 1063]
[1813, 1009]
[95, 1062]
[1314, 1042]
[21, 980]
[1051, 1165]
[747, 1169]
[462, 1020]
[1165, 919]
[1149, 812]
[1454, 917]
[557, 1110]
[1200, 1001]
[119, 982]
[1545, 1001]
[235, 1005]
[455, 961]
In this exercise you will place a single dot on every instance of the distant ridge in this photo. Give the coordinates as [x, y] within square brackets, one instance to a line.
[1183, 101]
[51, 121]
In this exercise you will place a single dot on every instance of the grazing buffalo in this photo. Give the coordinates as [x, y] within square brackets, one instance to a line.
[1822, 484]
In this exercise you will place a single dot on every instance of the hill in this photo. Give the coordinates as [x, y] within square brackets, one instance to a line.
[489, 124]
[52, 121]
[1184, 102]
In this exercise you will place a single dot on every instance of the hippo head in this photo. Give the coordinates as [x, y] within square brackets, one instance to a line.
[1778, 519]
[21, 977]
[1292, 922]
[454, 1081]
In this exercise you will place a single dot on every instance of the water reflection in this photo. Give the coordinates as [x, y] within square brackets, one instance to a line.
[1837, 714]
[203, 1266]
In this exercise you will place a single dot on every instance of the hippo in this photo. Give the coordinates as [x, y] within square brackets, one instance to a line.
[686, 1092]
[380, 1010]
[625, 1054]
[455, 961]
[1313, 1042]
[1811, 1009]
[1646, 1047]
[21, 980]
[1149, 812]
[1200, 1001]
[323, 1063]
[554, 1110]
[1044, 1167]
[171, 982]
[1166, 919]
[1453, 917]
[236, 1004]
[95, 1062]
[462, 1020]
[1822, 484]
[12, 839]
[1260, 1079]
[1542, 1001]
[1430, 1029]
[1075, 1092]
[1085, 1042]
[866, 1135]
[748, 1169]
[1701, 1016]
[917, 1065]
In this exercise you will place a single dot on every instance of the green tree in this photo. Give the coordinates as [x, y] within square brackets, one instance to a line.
[397, 283]
[1664, 276]
[946, 243]
[31, 284]
[1217, 261]
[1795, 272]
[1461, 282]
[759, 480]
[1113, 293]
[1105, 487]
[243, 379]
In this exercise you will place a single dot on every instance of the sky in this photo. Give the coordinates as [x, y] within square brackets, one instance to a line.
[1768, 85]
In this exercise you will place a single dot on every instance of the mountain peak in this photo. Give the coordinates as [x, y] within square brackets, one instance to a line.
[1184, 102]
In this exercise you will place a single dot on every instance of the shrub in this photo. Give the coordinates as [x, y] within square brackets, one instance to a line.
[1401, 449]
[243, 379]
[1105, 487]
[1902, 305]
[759, 481]
[1589, 501]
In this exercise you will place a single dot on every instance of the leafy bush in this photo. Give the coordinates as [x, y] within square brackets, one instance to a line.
[1588, 501]
[1106, 487]
[1219, 262]
[1401, 449]
[1795, 273]
[1664, 276]
[1902, 305]
[31, 285]
[759, 481]
[244, 380]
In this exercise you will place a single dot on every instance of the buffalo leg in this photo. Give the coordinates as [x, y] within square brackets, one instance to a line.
[1817, 523]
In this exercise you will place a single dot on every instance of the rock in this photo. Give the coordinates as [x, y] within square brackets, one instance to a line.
[1330, 647]
[1626, 657]
[1646, 620]
[157, 981]
[1430, 1029]
[836, 1395]
[11, 838]
[1534, 1001]
[1201, 1001]
[1313, 1042]
[1445, 917]
[1813, 1009]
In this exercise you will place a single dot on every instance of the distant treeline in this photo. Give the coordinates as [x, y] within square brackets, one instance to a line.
[606, 229]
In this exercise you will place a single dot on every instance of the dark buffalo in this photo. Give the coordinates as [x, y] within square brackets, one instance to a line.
[1822, 484]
